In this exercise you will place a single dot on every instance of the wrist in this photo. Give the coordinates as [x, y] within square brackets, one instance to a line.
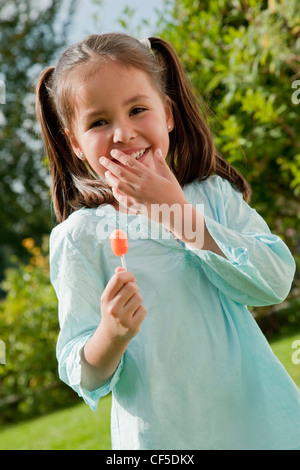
[104, 349]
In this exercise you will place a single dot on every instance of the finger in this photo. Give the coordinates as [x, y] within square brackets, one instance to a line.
[128, 161]
[133, 303]
[120, 186]
[119, 269]
[125, 296]
[111, 178]
[116, 283]
[119, 170]
[161, 164]
[138, 317]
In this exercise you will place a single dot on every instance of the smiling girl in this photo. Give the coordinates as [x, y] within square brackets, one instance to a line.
[171, 338]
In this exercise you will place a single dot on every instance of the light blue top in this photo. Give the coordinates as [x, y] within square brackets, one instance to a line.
[199, 374]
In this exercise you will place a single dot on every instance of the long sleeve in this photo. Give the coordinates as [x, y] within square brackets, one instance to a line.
[259, 268]
[75, 261]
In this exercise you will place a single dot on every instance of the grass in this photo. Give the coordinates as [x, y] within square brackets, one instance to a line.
[79, 428]
[74, 428]
[282, 348]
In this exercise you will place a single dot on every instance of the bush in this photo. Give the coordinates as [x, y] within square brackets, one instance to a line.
[29, 383]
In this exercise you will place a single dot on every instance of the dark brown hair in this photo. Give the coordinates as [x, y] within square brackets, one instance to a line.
[192, 154]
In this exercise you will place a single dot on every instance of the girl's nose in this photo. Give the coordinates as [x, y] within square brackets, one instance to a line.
[123, 134]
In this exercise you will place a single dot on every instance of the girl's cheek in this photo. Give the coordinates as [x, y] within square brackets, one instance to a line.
[95, 148]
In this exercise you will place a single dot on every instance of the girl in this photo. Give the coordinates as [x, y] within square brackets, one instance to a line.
[171, 337]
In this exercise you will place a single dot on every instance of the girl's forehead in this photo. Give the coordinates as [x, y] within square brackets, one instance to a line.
[105, 72]
[110, 81]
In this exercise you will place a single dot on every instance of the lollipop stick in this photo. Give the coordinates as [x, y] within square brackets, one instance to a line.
[123, 262]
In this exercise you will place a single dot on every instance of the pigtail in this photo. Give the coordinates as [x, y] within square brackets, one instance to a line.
[186, 131]
[73, 185]
[55, 144]
[192, 154]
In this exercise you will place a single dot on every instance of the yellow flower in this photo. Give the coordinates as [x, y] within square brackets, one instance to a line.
[28, 243]
[36, 251]
[29, 268]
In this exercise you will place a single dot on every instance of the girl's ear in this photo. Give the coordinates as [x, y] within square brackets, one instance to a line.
[73, 141]
[169, 113]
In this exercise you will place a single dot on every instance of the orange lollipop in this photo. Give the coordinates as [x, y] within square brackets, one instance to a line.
[119, 245]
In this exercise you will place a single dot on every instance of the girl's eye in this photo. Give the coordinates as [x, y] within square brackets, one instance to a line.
[99, 123]
[137, 110]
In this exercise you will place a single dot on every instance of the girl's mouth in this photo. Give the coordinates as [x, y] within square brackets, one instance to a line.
[141, 154]
[138, 155]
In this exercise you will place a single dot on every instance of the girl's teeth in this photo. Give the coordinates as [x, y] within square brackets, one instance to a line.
[138, 154]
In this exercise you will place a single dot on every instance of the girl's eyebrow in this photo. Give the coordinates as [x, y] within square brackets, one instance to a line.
[136, 98]
[92, 114]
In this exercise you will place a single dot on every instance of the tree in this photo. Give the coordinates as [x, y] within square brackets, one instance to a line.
[30, 37]
[243, 57]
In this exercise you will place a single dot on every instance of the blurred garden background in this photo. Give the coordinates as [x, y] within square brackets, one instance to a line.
[243, 57]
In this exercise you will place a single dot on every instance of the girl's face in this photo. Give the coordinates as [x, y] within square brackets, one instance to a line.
[119, 108]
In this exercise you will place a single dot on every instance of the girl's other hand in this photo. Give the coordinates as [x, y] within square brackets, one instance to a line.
[134, 184]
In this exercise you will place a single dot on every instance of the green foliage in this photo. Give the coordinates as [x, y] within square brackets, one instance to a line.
[243, 58]
[30, 38]
[29, 383]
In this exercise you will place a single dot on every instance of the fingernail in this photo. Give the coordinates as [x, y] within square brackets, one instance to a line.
[119, 269]
[102, 160]
[114, 153]
[159, 153]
